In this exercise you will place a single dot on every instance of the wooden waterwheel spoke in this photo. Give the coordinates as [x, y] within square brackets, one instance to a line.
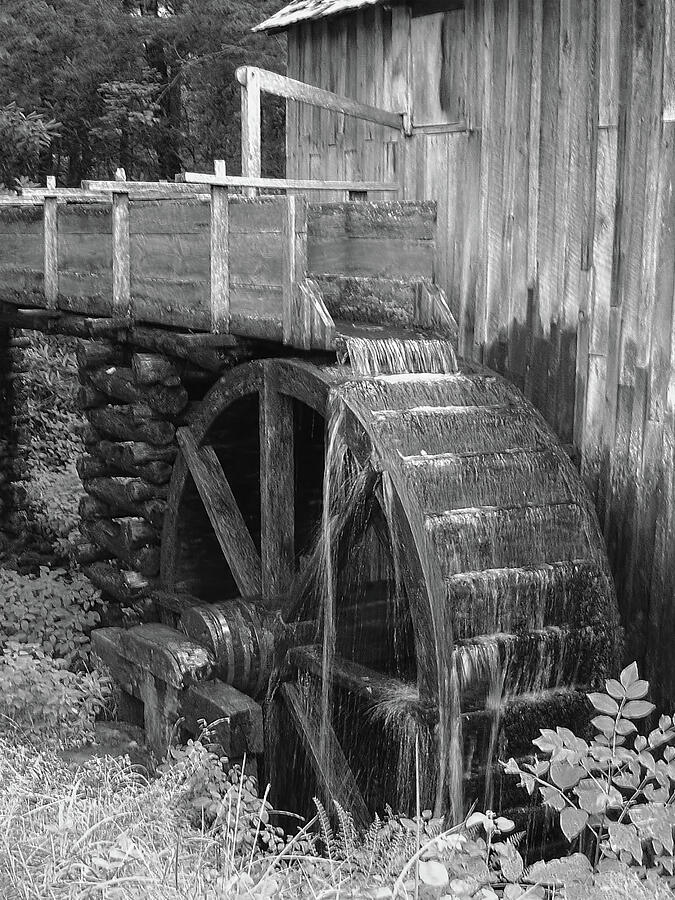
[277, 489]
[224, 514]
[337, 778]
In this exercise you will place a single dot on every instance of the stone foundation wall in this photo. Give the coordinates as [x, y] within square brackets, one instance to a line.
[133, 401]
[12, 420]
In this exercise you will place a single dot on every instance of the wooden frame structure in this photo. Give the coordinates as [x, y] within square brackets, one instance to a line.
[195, 255]
[254, 80]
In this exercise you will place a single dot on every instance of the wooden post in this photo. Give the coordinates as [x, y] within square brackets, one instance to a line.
[250, 129]
[51, 249]
[220, 268]
[121, 254]
[288, 267]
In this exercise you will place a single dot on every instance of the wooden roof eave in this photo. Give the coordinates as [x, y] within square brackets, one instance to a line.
[285, 18]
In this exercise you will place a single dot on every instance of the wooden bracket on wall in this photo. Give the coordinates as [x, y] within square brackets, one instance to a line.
[313, 326]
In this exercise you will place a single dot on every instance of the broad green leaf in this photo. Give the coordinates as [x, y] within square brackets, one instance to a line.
[604, 724]
[573, 822]
[640, 742]
[647, 761]
[625, 726]
[548, 740]
[604, 703]
[637, 709]
[433, 873]
[552, 797]
[629, 675]
[565, 776]
[637, 690]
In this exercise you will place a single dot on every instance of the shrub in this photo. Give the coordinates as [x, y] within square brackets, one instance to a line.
[53, 610]
[618, 791]
[44, 701]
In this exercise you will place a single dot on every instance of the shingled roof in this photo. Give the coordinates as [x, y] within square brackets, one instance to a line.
[303, 10]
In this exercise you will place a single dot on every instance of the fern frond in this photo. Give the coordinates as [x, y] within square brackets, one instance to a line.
[346, 836]
[326, 829]
[516, 839]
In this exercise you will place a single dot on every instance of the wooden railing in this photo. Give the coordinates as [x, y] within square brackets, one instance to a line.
[254, 81]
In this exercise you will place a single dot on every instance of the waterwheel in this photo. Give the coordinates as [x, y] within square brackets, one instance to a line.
[393, 566]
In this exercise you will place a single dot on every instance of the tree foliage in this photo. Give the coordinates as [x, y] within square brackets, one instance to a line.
[135, 83]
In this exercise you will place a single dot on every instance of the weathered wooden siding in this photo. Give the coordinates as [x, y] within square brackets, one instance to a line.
[555, 196]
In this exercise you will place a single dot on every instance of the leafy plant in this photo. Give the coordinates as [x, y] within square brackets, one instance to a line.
[43, 700]
[223, 798]
[619, 789]
[52, 610]
[23, 138]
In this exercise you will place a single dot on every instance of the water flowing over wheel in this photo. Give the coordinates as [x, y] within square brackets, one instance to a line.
[404, 566]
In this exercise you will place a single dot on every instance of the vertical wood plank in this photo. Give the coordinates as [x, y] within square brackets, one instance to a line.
[220, 251]
[609, 17]
[277, 488]
[251, 153]
[289, 276]
[51, 246]
[121, 258]
[669, 64]
[487, 143]
[292, 117]
[534, 137]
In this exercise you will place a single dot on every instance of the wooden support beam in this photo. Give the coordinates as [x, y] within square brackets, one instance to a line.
[223, 512]
[291, 89]
[121, 257]
[220, 251]
[289, 184]
[277, 489]
[251, 152]
[51, 245]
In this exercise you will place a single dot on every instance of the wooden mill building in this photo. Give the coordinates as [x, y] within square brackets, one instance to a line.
[544, 130]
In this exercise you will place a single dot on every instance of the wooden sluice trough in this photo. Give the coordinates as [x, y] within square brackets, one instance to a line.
[227, 397]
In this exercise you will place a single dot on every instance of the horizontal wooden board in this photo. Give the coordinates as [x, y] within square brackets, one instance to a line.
[255, 312]
[256, 258]
[167, 255]
[21, 285]
[191, 216]
[171, 302]
[84, 218]
[84, 253]
[88, 293]
[403, 221]
[371, 256]
[21, 220]
[24, 250]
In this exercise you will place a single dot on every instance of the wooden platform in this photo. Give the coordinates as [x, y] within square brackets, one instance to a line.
[199, 259]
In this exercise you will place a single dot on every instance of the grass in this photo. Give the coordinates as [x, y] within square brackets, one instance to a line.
[97, 830]
[102, 830]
